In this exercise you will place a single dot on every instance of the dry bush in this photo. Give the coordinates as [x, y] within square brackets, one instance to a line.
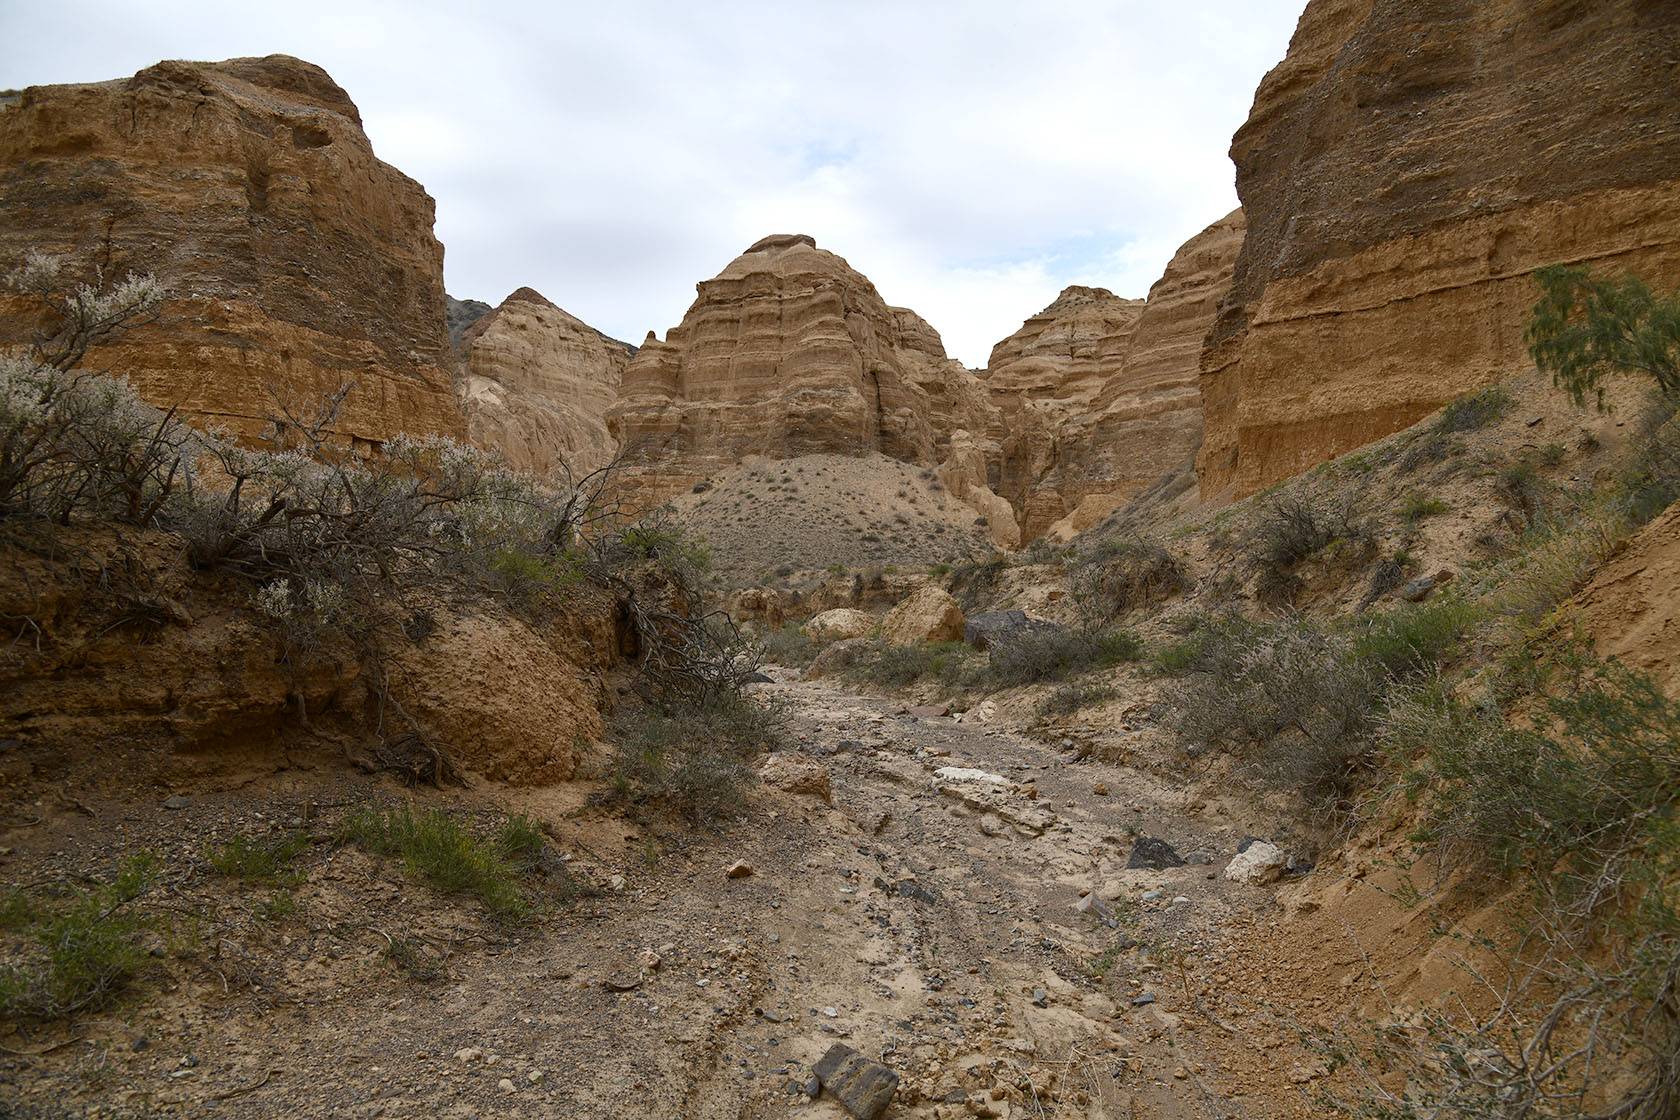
[1292, 530]
[1120, 576]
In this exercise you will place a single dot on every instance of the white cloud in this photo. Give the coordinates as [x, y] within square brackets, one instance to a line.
[971, 158]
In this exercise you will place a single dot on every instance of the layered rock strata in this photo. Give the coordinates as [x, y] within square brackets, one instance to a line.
[789, 351]
[536, 383]
[1403, 171]
[1100, 395]
[294, 259]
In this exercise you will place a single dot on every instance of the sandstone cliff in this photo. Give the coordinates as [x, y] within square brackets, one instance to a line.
[1403, 171]
[789, 351]
[535, 384]
[294, 258]
[1100, 395]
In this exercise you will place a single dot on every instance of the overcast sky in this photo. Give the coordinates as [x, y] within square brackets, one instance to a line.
[970, 157]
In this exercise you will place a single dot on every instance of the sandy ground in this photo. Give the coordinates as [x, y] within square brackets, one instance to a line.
[930, 924]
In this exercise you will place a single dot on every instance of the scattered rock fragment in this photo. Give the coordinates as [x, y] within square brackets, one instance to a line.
[864, 1086]
[1257, 864]
[1151, 854]
[795, 774]
[176, 802]
[740, 869]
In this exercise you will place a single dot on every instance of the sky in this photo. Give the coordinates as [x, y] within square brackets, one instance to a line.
[971, 157]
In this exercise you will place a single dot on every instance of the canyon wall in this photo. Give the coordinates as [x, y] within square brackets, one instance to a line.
[1403, 172]
[790, 351]
[535, 385]
[294, 259]
[1100, 395]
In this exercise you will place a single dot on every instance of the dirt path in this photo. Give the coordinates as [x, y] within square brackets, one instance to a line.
[929, 922]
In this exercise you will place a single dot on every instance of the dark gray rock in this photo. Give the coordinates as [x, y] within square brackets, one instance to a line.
[1144, 1000]
[991, 628]
[862, 1084]
[1151, 854]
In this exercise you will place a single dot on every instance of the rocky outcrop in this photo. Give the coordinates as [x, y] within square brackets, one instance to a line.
[1403, 171]
[294, 259]
[928, 614]
[535, 385]
[790, 351]
[1100, 395]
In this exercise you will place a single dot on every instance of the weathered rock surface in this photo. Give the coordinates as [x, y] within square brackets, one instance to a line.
[928, 614]
[1258, 864]
[295, 260]
[535, 384]
[1100, 395]
[862, 1084]
[1403, 171]
[839, 624]
[790, 351]
[794, 774]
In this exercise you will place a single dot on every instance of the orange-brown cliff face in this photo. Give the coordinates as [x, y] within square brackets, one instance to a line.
[535, 385]
[1100, 394]
[790, 351]
[293, 257]
[1403, 171]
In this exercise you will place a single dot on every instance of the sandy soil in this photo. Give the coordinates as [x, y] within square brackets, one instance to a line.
[931, 924]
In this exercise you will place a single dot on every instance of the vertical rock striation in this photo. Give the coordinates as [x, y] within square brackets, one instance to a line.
[1100, 395]
[790, 351]
[295, 260]
[536, 383]
[1403, 171]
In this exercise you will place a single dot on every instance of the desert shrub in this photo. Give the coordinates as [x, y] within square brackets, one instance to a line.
[1476, 410]
[1291, 530]
[85, 945]
[260, 861]
[974, 583]
[443, 853]
[1120, 575]
[1579, 801]
[1416, 507]
[788, 645]
[1583, 328]
[75, 442]
[953, 664]
[1297, 705]
[1052, 655]
[1071, 697]
[520, 840]
[692, 756]
[1650, 479]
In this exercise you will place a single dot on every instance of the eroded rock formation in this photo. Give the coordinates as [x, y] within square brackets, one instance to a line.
[1403, 171]
[535, 384]
[295, 260]
[790, 351]
[1100, 395]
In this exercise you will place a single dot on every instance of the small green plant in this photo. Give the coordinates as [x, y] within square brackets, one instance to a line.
[1416, 507]
[86, 948]
[443, 853]
[282, 904]
[1477, 410]
[260, 861]
[520, 840]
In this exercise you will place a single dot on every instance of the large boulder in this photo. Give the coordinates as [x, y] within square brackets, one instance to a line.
[929, 614]
[993, 628]
[839, 624]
